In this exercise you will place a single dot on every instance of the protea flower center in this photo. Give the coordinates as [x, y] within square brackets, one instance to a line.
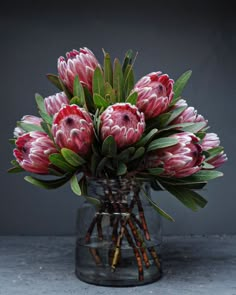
[124, 122]
[73, 129]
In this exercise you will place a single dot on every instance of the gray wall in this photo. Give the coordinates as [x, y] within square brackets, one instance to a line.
[168, 37]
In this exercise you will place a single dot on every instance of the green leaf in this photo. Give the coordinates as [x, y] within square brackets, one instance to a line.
[55, 81]
[95, 159]
[201, 134]
[108, 72]
[128, 80]
[206, 165]
[101, 165]
[179, 126]
[29, 127]
[132, 98]
[98, 82]
[52, 171]
[138, 153]
[179, 85]
[203, 175]
[195, 127]
[175, 113]
[42, 109]
[109, 93]
[48, 119]
[78, 91]
[157, 208]
[99, 101]
[48, 184]
[127, 60]
[46, 128]
[161, 143]
[156, 171]
[145, 139]
[72, 158]
[109, 147]
[189, 198]
[15, 169]
[89, 101]
[40, 103]
[158, 122]
[121, 169]
[83, 185]
[12, 141]
[118, 81]
[59, 161]
[14, 162]
[76, 100]
[126, 154]
[211, 153]
[181, 182]
[74, 184]
[65, 89]
[93, 201]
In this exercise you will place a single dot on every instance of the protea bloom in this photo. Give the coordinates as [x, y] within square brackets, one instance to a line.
[54, 102]
[155, 92]
[81, 63]
[73, 129]
[33, 150]
[180, 160]
[189, 115]
[210, 141]
[28, 119]
[124, 122]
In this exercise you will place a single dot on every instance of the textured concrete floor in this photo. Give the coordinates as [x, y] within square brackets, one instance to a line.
[45, 265]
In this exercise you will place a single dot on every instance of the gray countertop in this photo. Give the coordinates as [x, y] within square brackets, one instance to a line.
[45, 265]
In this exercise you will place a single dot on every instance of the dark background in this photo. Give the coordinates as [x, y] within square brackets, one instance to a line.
[169, 36]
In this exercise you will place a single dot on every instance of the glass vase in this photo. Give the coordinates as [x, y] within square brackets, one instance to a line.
[118, 239]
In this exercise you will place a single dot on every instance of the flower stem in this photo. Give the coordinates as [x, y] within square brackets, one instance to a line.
[136, 253]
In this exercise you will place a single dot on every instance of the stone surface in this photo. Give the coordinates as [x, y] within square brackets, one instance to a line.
[45, 265]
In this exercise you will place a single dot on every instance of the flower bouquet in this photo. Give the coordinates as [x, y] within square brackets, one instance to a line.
[111, 138]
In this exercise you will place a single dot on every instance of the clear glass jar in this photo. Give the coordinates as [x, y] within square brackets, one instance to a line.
[118, 242]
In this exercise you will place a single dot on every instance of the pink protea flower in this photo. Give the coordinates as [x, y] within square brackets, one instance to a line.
[124, 122]
[28, 119]
[155, 92]
[73, 129]
[189, 115]
[53, 103]
[33, 150]
[180, 160]
[210, 141]
[81, 63]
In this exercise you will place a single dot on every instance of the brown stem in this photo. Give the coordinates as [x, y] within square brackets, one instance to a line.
[136, 253]
[134, 232]
[115, 229]
[90, 229]
[142, 217]
[137, 221]
[141, 243]
[155, 257]
[99, 226]
[118, 245]
[95, 254]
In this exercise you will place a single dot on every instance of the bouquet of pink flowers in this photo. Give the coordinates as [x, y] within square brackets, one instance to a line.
[104, 125]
